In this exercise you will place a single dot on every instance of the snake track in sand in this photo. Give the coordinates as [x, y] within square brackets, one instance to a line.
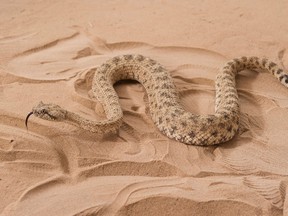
[166, 111]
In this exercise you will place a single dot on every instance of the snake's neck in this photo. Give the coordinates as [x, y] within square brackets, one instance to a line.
[105, 126]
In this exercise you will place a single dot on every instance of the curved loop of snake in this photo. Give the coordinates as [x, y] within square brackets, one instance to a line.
[167, 113]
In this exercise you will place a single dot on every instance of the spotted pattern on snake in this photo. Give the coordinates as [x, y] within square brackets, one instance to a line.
[164, 103]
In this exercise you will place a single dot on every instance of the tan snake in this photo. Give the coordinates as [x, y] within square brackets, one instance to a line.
[167, 113]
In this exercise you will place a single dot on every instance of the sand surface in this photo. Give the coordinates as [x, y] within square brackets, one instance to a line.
[47, 51]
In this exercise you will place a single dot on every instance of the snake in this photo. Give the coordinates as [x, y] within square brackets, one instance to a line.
[165, 107]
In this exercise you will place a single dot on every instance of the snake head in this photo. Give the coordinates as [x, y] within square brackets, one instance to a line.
[51, 112]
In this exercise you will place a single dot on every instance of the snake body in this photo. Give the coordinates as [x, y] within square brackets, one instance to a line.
[166, 111]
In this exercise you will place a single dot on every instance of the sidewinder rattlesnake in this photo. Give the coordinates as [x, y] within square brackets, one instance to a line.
[166, 111]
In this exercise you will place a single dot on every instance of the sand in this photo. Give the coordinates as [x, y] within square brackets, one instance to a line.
[47, 51]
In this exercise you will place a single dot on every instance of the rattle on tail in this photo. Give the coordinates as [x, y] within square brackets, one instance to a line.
[166, 111]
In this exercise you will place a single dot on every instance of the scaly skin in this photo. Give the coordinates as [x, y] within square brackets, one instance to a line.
[166, 111]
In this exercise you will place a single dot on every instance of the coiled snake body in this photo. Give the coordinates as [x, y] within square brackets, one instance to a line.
[166, 111]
